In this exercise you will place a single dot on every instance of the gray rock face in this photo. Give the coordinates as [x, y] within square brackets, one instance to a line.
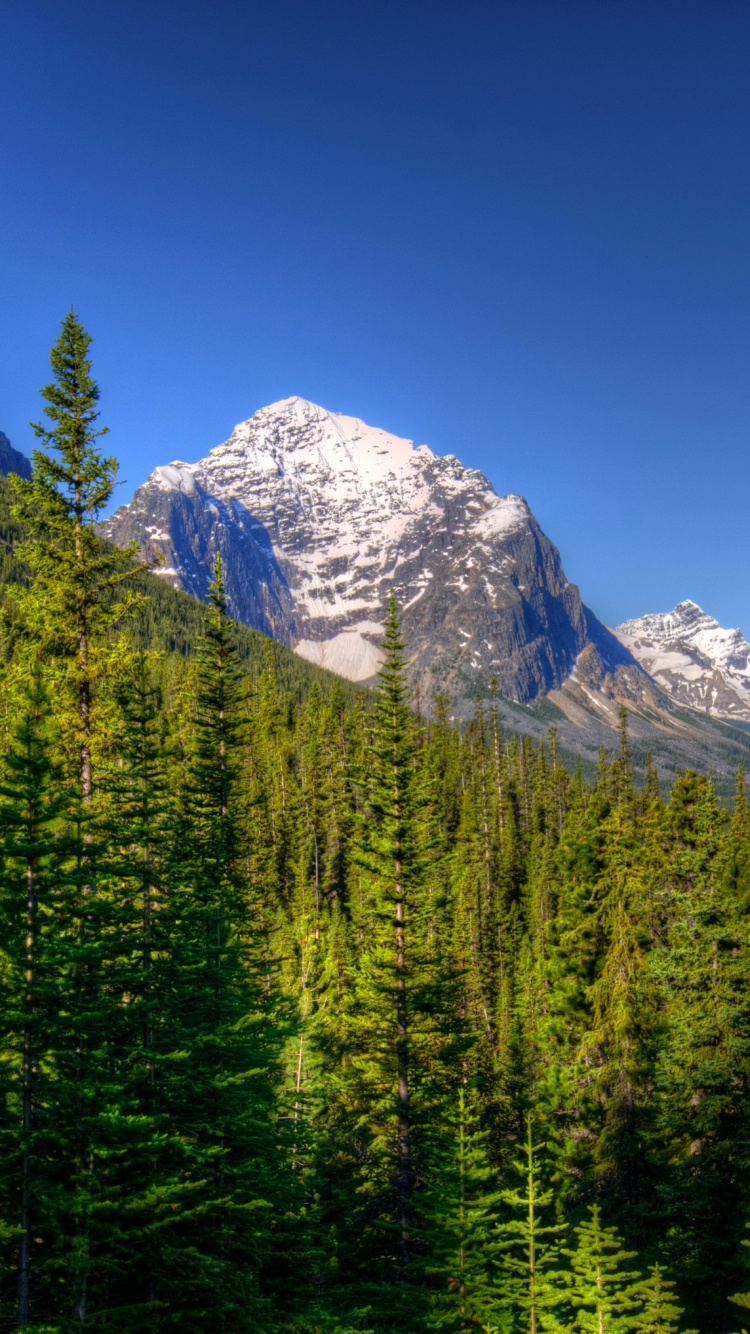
[694, 659]
[12, 460]
[318, 516]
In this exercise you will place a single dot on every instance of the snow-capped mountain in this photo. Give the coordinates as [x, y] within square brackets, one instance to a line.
[317, 516]
[693, 659]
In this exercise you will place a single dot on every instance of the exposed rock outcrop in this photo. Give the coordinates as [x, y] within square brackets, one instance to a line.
[12, 460]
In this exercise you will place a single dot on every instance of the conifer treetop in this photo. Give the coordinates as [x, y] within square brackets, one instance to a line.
[71, 399]
[76, 571]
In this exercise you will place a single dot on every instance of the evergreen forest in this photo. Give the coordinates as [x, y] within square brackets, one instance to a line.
[321, 1017]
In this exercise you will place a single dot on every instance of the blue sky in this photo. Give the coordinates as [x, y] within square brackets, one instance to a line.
[518, 232]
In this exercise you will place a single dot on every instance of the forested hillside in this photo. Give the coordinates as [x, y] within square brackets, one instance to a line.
[315, 1017]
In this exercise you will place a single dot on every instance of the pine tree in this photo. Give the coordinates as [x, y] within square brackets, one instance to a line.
[395, 1054]
[216, 1048]
[575, 949]
[132, 858]
[479, 911]
[703, 1070]
[618, 1047]
[651, 794]
[396, 863]
[603, 1295]
[459, 1210]
[71, 604]
[32, 801]
[531, 1248]
[660, 1313]
[68, 612]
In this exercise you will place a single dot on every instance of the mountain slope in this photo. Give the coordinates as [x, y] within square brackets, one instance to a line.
[12, 460]
[693, 659]
[317, 516]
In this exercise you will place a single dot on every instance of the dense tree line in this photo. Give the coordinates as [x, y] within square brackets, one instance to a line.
[319, 1016]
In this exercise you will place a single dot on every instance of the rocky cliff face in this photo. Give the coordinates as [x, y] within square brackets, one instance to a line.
[12, 460]
[693, 659]
[318, 516]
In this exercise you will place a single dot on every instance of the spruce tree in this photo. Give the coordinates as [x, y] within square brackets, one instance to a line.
[71, 604]
[618, 1047]
[603, 1295]
[703, 1068]
[216, 1048]
[459, 1209]
[68, 612]
[575, 949]
[395, 1054]
[32, 801]
[396, 862]
[132, 855]
[531, 1248]
[660, 1313]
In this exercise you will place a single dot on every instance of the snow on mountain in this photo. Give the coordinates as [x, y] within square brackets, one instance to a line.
[318, 515]
[693, 658]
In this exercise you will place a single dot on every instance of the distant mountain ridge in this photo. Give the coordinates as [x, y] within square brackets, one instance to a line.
[12, 460]
[693, 658]
[317, 516]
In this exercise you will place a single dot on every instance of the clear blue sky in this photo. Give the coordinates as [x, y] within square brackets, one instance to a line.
[519, 232]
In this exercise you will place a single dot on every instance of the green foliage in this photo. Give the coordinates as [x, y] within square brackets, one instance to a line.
[742, 1298]
[660, 1313]
[75, 570]
[316, 1018]
[531, 1248]
[459, 1212]
[602, 1294]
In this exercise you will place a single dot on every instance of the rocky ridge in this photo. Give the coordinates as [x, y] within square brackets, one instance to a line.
[317, 516]
[12, 460]
[693, 658]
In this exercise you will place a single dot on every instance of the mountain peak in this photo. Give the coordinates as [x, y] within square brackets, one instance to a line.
[295, 409]
[312, 445]
[694, 658]
[318, 516]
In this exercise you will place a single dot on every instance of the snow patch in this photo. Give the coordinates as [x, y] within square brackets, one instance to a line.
[348, 654]
[506, 514]
[175, 477]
